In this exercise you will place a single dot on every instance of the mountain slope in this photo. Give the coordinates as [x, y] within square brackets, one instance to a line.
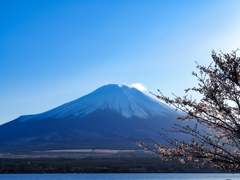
[109, 115]
[119, 98]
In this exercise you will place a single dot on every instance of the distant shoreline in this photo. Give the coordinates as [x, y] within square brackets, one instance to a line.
[97, 165]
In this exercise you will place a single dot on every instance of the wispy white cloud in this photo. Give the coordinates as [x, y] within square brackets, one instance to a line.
[138, 86]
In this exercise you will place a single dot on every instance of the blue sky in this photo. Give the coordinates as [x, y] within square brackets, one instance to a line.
[52, 52]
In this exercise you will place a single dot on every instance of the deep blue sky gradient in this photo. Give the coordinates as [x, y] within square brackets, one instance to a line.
[52, 52]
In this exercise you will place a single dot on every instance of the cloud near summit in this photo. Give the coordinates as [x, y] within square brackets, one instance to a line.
[138, 86]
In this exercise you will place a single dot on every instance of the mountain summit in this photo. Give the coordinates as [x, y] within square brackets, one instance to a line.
[104, 118]
[123, 99]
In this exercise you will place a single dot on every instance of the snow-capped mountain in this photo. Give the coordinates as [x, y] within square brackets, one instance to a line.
[104, 118]
[122, 99]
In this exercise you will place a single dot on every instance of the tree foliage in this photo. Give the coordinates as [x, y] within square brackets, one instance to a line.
[218, 110]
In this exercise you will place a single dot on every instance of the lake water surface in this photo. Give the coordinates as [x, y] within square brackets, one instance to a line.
[137, 176]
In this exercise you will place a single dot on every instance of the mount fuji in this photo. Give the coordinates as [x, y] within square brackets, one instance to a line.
[105, 118]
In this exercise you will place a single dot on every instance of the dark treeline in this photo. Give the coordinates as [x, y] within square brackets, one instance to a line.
[97, 165]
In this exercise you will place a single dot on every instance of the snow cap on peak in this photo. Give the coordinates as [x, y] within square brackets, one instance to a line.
[138, 86]
[127, 100]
